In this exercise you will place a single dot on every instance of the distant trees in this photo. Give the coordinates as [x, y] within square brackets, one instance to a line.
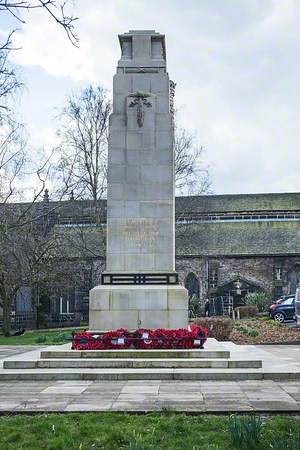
[13, 153]
[191, 173]
[82, 167]
[26, 256]
[84, 138]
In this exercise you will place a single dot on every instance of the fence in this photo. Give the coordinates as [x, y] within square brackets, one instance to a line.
[29, 321]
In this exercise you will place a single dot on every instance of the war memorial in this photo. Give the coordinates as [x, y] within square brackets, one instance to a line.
[140, 286]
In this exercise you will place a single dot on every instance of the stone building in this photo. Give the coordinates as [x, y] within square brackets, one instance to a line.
[226, 246]
[234, 244]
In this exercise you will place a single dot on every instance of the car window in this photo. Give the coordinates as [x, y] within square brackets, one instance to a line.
[288, 301]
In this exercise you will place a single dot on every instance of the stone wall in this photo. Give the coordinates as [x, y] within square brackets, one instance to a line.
[258, 271]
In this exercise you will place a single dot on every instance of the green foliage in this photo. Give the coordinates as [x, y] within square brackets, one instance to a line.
[138, 442]
[275, 323]
[218, 327]
[31, 337]
[259, 299]
[159, 431]
[245, 432]
[61, 338]
[241, 329]
[41, 339]
[112, 431]
[286, 443]
[265, 318]
[195, 309]
[253, 332]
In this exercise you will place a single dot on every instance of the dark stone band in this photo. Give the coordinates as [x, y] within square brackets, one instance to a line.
[139, 278]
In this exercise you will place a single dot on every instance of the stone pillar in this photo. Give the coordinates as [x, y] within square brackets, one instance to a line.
[140, 286]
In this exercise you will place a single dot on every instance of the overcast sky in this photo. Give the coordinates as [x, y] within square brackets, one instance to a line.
[236, 65]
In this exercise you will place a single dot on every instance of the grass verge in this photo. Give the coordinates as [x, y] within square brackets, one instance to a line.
[168, 431]
[40, 337]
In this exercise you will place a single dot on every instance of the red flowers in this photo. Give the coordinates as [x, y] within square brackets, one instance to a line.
[117, 339]
[193, 337]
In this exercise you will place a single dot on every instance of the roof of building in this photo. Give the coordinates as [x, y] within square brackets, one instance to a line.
[239, 202]
[239, 238]
[216, 237]
[198, 203]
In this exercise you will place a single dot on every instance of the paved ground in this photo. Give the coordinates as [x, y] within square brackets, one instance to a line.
[150, 396]
[12, 350]
[288, 353]
[153, 395]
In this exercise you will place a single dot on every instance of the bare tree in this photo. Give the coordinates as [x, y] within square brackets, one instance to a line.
[26, 257]
[56, 10]
[191, 173]
[83, 148]
[9, 83]
[24, 254]
[12, 158]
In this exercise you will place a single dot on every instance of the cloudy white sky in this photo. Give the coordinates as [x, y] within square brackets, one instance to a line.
[236, 65]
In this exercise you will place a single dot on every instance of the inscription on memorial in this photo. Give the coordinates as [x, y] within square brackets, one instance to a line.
[141, 233]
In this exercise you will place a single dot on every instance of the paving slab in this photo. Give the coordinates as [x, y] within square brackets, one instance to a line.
[212, 397]
[202, 393]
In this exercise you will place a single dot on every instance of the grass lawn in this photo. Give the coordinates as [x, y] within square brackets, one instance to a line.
[92, 431]
[40, 337]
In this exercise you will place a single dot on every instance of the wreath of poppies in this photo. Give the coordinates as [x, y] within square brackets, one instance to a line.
[192, 337]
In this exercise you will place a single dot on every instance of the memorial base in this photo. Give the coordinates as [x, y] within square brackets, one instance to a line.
[132, 307]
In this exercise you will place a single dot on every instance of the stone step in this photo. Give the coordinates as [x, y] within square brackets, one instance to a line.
[146, 374]
[132, 363]
[134, 354]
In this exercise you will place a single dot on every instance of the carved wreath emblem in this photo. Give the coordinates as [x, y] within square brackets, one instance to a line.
[140, 100]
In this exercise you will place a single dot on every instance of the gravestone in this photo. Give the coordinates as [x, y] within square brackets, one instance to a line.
[139, 288]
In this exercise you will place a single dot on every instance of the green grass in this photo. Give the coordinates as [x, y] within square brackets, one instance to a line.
[40, 337]
[166, 431]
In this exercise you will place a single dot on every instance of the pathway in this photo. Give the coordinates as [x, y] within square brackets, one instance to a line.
[154, 395]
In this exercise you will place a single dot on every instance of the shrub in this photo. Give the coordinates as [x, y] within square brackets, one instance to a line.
[274, 323]
[61, 337]
[195, 309]
[218, 327]
[245, 432]
[247, 311]
[259, 299]
[265, 319]
[40, 339]
[253, 332]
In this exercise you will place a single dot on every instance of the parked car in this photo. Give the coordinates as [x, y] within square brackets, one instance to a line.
[283, 309]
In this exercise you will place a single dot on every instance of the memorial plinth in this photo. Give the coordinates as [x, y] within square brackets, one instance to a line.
[140, 286]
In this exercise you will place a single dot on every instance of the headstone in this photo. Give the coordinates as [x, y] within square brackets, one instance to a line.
[140, 286]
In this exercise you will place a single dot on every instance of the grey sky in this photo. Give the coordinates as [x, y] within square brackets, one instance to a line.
[236, 65]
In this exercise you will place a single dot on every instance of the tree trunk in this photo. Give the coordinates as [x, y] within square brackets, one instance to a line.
[6, 316]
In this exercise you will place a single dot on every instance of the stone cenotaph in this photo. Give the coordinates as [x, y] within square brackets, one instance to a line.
[139, 288]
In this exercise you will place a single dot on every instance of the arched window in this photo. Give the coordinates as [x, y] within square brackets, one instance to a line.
[192, 285]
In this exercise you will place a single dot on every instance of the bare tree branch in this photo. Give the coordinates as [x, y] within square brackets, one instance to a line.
[83, 148]
[55, 9]
[191, 174]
